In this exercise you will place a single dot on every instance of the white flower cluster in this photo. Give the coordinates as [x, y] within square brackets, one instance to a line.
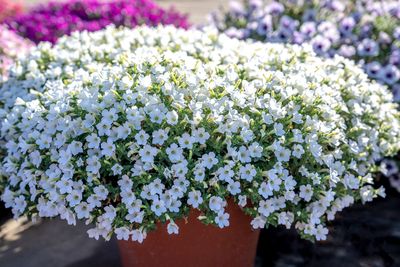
[125, 128]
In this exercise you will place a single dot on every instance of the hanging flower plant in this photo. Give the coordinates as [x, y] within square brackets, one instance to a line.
[127, 128]
[11, 46]
[366, 31]
[50, 21]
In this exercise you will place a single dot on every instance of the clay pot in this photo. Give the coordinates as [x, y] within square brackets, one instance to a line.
[196, 245]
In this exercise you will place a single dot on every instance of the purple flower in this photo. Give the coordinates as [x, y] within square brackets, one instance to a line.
[389, 74]
[347, 25]
[236, 8]
[396, 33]
[335, 6]
[347, 51]
[254, 4]
[373, 69]
[365, 30]
[395, 181]
[274, 8]
[329, 30]
[396, 92]
[282, 36]
[395, 12]
[309, 29]
[368, 48]
[264, 25]
[309, 15]
[298, 37]
[320, 44]
[389, 167]
[288, 23]
[252, 26]
[394, 57]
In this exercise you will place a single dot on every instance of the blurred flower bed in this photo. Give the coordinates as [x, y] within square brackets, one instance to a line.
[367, 31]
[50, 21]
[11, 46]
[9, 8]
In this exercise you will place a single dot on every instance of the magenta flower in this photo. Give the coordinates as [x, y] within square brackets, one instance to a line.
[50, 21]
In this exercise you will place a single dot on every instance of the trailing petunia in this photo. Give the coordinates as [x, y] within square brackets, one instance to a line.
[125, 128]
[50, 21]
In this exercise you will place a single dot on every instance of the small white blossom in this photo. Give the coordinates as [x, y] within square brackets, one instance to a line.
[216, 204]
[195, 199]
[222, 219]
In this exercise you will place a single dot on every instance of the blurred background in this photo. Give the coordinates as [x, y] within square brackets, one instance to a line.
[197, 9]
[365, 236]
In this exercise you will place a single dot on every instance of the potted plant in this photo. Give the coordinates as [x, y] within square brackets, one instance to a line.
[163, 135]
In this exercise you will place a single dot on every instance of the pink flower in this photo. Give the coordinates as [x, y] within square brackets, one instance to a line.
[9, 8]
[11, 46]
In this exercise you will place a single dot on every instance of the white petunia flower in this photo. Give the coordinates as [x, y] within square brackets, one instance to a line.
[122, 233]
[186, 141]
[200, 135]
[222, 219]
[160, 136]
[209, 160]
[247, 172]
[298, 151]
[172, 228]
[175, 153]
[107, 148]
[138, 235]
[216, 203]
[141, 137]
[306, 192]
[195, 199]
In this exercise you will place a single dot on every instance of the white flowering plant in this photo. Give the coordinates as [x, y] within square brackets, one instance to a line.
[127, 128]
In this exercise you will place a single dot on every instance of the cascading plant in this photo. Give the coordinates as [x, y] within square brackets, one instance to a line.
[126, 128]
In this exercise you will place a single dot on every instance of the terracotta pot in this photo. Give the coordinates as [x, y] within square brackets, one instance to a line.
[196, 245]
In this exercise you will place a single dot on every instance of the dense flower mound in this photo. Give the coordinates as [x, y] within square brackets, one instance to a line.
[52, 20]
[11, 46]
[9, 8]
[126, 128]
[367, 31]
